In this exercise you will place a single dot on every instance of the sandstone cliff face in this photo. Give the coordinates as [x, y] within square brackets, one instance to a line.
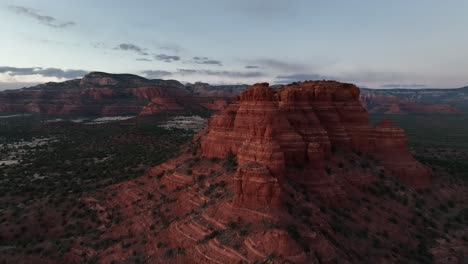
[298, 124]
[256, 187]
[391, 148]
[160, 105]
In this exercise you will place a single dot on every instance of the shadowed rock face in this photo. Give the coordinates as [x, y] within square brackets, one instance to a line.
[391, 148]
[296, 126]
[255, 187]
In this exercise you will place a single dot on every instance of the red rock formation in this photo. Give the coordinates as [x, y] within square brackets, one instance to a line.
[391, 148]
[161, 104]
[300, 122]
[97, 94]
[295, 104]
[259, 117]
[216, 104]
[221, 138]
[306, 113]
[264, 151]
[109, 94]
[255, 187]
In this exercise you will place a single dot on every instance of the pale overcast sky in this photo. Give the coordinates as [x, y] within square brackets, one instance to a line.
[373, 43]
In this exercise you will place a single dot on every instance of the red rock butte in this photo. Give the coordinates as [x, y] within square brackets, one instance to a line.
[282, 136]
[297, 125]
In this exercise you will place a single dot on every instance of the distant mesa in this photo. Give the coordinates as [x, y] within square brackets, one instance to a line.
[414, 101]
[99, 93]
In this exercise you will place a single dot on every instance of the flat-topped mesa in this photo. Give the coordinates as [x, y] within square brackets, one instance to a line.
[323, 91]
[391, 148]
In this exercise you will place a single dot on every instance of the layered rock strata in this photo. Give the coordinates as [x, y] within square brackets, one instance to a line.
[299, 124]
[391, 148]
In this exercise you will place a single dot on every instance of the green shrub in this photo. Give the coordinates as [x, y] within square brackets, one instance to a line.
[230, 162]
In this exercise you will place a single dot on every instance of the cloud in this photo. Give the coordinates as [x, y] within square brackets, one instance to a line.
[279, 65]
[378, 77]
[187, 71]
[59, 73]
[43, 19]
[397, 85]
[228, 74]
[300, 77]
[252, 67]
[192, 72]
[152, 74]
[132, 48]
[16, 85]
[45, 72]
[16, 71]
[143, 59]
[171, 47]
[99, 45]
[166, 58]
[205, 60]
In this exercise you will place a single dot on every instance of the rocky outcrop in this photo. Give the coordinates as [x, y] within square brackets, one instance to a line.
[216, 104]
[255, 187]
[391, 148]
[296, 125]
[298, 115]
[160, 105]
